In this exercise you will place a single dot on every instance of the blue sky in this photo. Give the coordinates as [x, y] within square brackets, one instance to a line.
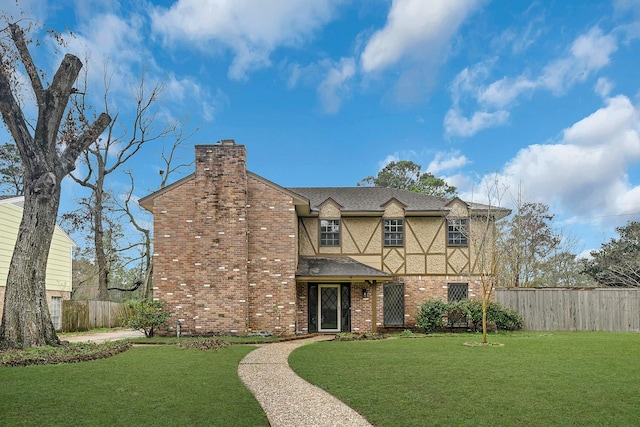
[542, 96]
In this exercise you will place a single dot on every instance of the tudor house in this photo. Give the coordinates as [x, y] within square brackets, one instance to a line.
[237, 253]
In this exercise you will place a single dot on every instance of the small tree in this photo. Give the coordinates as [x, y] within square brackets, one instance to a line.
[146, 315]
[483, 247]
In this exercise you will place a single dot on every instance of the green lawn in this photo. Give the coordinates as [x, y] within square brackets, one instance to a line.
[536, 379]
[145, 386]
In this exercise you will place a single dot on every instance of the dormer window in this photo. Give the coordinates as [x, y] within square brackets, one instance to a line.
[394, 232]
[458, 232]
[329, 232]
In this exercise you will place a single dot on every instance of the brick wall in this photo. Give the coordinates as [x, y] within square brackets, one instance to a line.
[200, 254]
[418, 289]
[272, 224]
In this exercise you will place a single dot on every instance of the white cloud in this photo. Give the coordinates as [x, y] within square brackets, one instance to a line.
[447, 161]
[588, 54]
[336, 84]
[110, 44]
[603, 87]
[502, 93]
[414, 29]
[585, 174]
[189, 94]
[457, 124]
[251, 29]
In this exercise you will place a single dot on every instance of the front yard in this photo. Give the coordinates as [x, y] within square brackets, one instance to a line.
[144, 386]
[536, 379]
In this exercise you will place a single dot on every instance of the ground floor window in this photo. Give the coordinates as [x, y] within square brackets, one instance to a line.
[393, 303]
[457, 292]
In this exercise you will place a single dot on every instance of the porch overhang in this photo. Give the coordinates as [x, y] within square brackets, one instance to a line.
[337, 269]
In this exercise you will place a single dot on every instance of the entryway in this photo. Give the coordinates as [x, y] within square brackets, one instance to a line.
[329, 307]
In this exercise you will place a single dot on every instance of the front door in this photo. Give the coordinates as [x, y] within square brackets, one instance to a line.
[329, 308]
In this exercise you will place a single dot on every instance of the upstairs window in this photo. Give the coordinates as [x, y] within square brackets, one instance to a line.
[458, 231]
[393, 232]
[329, 232]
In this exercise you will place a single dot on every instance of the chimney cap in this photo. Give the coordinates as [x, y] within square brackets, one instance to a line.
[227, 142]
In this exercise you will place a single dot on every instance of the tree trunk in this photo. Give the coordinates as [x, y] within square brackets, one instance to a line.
[26, 320]
[484, 317]
[98, 240]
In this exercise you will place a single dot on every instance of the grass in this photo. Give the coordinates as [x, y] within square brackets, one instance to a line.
[536, 379]
[157, 385]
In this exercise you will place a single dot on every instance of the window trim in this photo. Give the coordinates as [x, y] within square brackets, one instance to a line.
[457, 232]
[330, 242]
[386, 242]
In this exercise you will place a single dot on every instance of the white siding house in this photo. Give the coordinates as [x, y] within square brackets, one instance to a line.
[59, 271]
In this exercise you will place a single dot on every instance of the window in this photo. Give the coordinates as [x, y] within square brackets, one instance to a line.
[329, 232]
[393, 304]
[457, 232]
[457, 292]
[393, 232]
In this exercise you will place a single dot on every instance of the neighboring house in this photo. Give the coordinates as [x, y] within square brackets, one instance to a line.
[59, 273]
[235, 253]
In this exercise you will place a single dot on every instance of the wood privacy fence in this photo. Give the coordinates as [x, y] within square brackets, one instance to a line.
[85, 315]
[566, 309]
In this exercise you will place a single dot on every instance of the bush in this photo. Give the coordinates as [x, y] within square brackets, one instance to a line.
[431, 315]
[504, 318]
[472, 309]
[146, 315]
[434, 314]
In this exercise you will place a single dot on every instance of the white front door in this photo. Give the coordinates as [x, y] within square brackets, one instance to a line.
[329, 308]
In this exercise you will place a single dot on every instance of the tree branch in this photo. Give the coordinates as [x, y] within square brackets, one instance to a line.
[17, 35]
[13, 117]
[74, 148]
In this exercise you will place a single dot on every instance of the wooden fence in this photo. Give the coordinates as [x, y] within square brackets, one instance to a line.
[566, 309]
[85, 315]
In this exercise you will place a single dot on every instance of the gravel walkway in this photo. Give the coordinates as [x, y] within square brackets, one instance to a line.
[287, 399]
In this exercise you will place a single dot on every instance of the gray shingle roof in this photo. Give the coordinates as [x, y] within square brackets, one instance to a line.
[370, 199]
[338, 267]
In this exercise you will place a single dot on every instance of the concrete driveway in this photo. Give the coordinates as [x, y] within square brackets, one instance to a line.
[98, 337]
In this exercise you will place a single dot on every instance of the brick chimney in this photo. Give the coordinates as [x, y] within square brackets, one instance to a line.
[220, 222]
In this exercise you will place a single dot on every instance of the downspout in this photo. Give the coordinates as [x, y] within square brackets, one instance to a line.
[374, 306]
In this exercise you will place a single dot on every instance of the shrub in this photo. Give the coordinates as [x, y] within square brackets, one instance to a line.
[431, 315]
[504, 318]
[472, 309]
[434, 314]
[146, 315]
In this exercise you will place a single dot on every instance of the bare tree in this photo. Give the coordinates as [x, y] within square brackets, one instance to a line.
[526, 242]
[103, 159]
[483, 247]
[26, 321]
[172, 165]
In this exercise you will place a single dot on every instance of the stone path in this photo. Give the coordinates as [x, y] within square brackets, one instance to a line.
[287, 399]
[99, 337]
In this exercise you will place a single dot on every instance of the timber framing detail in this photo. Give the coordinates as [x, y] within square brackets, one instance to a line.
[425, 250]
